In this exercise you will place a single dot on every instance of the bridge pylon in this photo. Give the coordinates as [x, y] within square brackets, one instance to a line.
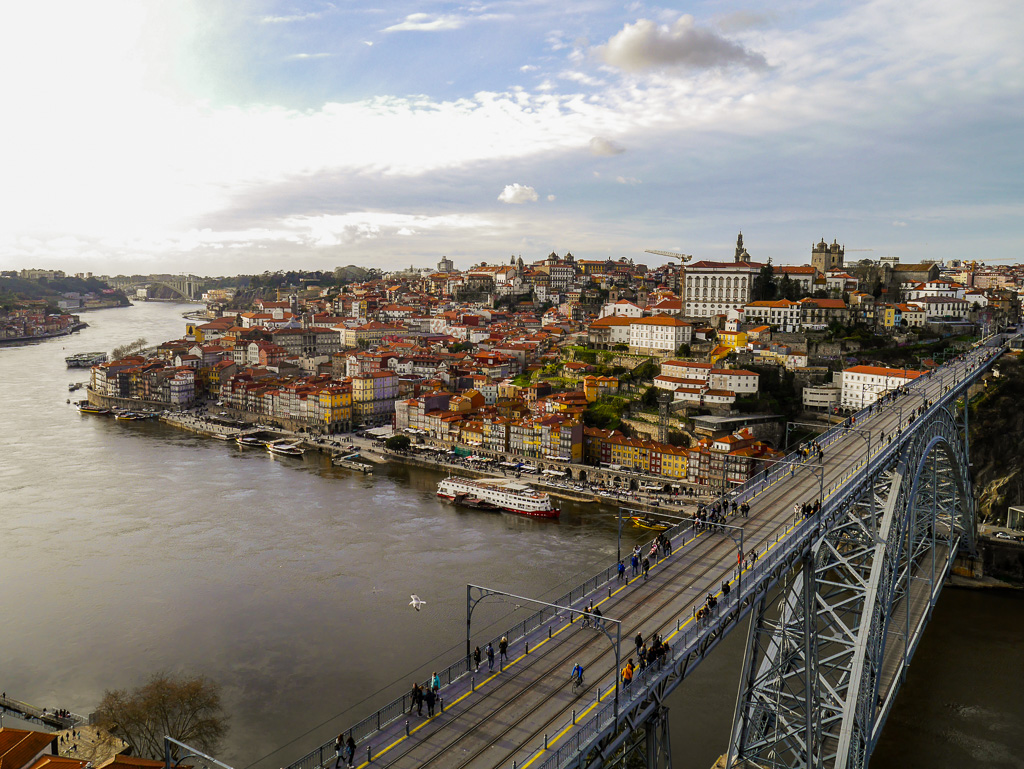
[828, 651]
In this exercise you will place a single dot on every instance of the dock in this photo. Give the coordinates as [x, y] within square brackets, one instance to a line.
[44, 716]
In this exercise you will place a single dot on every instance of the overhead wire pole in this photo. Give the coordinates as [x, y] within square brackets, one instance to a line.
[598, 621]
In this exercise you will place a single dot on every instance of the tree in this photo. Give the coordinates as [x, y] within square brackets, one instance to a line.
[128, 349]
[185, 708]
[398, 443]
[684, 350]
[764, 284]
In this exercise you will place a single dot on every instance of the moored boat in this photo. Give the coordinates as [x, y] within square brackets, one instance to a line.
[86, 408]
[249, 441]
[285, 447]
[509, 496]
[645, 522]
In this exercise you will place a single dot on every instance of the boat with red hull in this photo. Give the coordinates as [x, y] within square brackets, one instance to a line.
[498, 494]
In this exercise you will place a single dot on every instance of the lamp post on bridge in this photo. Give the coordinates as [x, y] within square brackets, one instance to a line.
[794, 466]
[598, 622]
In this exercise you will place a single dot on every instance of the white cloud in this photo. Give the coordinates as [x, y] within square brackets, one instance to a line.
[424, 22]
[551, 198]
[301, 56]
[603, 147]
[898, 223]
[647, 45]
[310, 16]
[529, 68]
[517, 193]
[627, 180]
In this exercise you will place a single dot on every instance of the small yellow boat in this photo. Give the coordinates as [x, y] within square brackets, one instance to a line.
[646, 522]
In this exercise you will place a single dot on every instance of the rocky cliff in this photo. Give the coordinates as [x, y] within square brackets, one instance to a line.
[997, 441]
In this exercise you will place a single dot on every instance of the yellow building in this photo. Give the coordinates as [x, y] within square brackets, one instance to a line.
[732, 339]
[334, 404]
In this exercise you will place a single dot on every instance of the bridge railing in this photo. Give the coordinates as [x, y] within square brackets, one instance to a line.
[693, 635]
[784, 540]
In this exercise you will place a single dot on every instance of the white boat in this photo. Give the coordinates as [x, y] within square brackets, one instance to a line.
[505, 495]
[249, 441]
[285, 447]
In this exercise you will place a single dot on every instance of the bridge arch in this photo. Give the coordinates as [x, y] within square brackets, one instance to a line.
[824, 663]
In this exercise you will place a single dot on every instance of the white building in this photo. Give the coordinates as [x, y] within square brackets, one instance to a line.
[862, 385]
[660, 333]
[821, 397]
[943, 307]
[713, 288]
[781, 314]
[621, 309]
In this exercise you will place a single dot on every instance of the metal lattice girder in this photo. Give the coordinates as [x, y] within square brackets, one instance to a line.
[825, 658]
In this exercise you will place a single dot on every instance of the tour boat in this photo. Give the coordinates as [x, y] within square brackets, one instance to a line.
[249, 441]
[285, 447]
[509, 496]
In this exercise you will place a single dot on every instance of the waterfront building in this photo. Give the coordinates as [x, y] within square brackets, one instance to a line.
[373, 396]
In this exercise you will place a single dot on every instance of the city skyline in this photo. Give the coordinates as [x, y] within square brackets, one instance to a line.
[206, 138]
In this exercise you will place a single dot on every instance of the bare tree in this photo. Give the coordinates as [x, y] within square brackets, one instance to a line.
[128, 349]
[185, 708]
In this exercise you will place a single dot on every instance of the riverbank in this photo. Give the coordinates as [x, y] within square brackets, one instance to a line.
[23, 340]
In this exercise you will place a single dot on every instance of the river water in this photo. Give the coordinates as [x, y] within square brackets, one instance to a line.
[133, 547]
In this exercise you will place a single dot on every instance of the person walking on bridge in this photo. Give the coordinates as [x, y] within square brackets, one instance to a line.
[503, 650]
[490, 656]
[647, 567]
[431, 698]
[476, 658]
[627, 674]
[350, 749]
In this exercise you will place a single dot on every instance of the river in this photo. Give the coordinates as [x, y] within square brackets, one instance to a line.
[133, 547]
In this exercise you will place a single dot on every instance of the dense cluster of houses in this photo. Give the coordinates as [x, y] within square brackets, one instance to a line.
[457, 356]
[34, 322]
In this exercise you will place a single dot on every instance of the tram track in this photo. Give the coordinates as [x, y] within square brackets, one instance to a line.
[549, 665]
[585, 653]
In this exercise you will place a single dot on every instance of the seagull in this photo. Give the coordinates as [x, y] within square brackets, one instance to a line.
[417, 602]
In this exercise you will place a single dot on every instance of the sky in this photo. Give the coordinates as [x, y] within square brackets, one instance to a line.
[219, 137]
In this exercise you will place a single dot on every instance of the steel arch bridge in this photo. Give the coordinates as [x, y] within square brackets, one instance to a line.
[837, 603]
[823, 663]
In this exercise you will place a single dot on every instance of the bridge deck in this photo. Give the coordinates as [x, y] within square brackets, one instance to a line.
[509, 714]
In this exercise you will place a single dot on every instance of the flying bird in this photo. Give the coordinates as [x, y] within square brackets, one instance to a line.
[417, 602]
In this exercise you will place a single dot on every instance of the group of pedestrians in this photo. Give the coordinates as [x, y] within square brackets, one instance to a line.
[648, 653]
[710, 602]
[428, 695]
[807, 509]
[345, 749]
[489, 651]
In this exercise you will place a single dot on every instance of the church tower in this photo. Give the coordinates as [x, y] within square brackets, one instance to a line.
[825, 257]
[741, 254]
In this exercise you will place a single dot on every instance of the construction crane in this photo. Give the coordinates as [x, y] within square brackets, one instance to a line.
[684, 258]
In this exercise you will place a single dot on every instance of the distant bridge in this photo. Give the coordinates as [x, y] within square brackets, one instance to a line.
[838, 602]
[186, 286]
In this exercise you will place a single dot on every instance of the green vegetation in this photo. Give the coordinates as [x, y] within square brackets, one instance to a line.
[645, 372]
[399, 443]
[606, 412]
[997, 415]
[777, 393]
[12, 290]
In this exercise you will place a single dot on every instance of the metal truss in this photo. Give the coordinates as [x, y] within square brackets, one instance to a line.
[827, 653]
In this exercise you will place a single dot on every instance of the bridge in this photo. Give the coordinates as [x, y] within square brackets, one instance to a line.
[837, 602]
[186, 286]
